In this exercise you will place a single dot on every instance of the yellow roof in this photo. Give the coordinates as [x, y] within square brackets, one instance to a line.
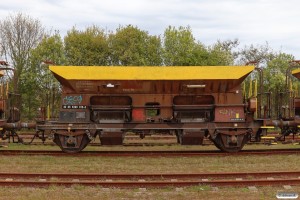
[151, 73]
[1, 73]
[296, 73]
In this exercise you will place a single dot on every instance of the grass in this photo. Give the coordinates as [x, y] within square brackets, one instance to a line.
[81, 192]
[35, 164]
[149, 164]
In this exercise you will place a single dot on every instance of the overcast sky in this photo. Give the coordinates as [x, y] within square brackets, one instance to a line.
[251, 21]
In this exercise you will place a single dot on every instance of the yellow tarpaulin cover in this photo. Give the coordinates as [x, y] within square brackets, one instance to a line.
[296, 73]
[151, 73]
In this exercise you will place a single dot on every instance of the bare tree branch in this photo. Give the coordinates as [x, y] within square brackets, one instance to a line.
[19, 34]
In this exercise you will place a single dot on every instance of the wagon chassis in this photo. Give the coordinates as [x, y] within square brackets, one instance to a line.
[227, 136]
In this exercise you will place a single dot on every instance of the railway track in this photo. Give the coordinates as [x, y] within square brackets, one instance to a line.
[150, 153]
[134, 144]
[152, 180]
[161, 140]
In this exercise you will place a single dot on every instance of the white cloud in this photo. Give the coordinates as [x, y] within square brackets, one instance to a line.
[251, 21]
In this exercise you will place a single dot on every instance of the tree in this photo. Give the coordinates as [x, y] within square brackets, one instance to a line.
[275, 81]
[180, 47]
[221, 53]
[39, 86]
[18, 35]
[153, 51]
[274, 65]
[259, 53]
[132, 46]
[275, 72]
[89, 47]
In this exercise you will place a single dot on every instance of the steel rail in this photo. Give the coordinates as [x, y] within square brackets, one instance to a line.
[150, 153]
[255, 179]
[152, 176]
[124, 184]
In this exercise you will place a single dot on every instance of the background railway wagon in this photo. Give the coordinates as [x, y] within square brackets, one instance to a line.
[296, 101]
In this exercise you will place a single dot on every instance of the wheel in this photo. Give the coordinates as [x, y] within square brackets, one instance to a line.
[230, 147]
[216, 144]
[71, 144]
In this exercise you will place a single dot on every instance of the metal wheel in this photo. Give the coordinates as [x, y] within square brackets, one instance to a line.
[219, 142]
[71, 144]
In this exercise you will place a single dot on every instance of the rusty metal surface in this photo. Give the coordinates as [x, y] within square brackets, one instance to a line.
[19, 125]
[156, 180]
[134, 176]
[112, 138]
[137, 125]
[155, 184]
[119, 99]
[126, 153]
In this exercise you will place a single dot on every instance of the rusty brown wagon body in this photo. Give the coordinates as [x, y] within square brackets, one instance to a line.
[296, 98]
[191, 102]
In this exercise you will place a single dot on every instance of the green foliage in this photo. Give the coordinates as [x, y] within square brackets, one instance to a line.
[89, 47]
[274, 67]
[221, 53]
[179, 46]
[24, 43]
[275, 80]
[132, 46]
[259, 53]
[275, 72]
[39, 86]
[200, 55]
[181, 49]
[19, 33]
